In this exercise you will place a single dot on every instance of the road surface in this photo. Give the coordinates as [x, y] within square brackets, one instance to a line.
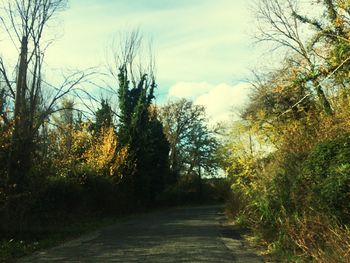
[191, 234]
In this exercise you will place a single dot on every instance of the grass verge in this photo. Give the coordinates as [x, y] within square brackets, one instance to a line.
[20, 244]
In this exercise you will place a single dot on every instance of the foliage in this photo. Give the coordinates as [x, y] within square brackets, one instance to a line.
[5, 144]
[28, 98]
[104, 117]
[103, 156]
[288, 158]
[139, 128]
[59, 164]
[193, 145]
[185, 192]
[312, 229]
[327, 174]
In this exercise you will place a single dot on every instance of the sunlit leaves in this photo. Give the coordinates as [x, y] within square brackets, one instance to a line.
[103, 156]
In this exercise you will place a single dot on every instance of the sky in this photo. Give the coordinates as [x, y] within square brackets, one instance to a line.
[203, 48]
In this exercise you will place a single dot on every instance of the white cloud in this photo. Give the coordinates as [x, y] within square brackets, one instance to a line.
[221, 101]
[189, 89]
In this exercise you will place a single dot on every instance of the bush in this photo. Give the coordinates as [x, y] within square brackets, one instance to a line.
[327, 174]
[60, 197]
[102, 195]
[300, 202]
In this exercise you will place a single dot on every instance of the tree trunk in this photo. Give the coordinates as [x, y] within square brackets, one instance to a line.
[200, 185]
[19, 161]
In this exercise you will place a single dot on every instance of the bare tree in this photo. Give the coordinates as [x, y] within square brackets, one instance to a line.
[279, 23]
[130, 55]
[25, 22]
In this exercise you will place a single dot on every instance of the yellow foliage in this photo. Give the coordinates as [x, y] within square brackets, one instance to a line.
[81, 141]
[102, 151]
[95, 153]
[344, 4]
[103, 156]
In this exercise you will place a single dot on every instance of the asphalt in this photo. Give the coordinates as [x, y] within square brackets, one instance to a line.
[191, 234]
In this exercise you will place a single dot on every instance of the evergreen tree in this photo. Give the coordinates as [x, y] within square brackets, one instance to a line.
[141, 131]
[104, 117]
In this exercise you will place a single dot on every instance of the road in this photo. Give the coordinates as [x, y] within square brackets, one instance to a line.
[191, 234]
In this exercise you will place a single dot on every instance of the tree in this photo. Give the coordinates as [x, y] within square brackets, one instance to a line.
[330, 40]
[138, 128]
[25, 22]
[313, 71]
[177, 118]
[66, 123]
[103, 157]
[104, 117]
[193, 145]
[61, 138]
[5, 137]
[280, 23]
[203, 154]
[157, 153]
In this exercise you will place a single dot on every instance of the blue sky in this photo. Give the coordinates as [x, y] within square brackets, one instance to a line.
[203, 48]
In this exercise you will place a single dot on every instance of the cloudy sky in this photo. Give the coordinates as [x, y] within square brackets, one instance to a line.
[203, 48]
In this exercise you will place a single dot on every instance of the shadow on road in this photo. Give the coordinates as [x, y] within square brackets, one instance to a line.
[191, 234]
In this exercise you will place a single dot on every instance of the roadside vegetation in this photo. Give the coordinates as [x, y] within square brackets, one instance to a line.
[70, 162]
[67, 168]
[289, 156]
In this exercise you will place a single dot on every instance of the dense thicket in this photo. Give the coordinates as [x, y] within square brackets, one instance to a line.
[288, 158]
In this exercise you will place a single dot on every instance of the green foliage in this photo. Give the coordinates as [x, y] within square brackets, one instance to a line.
[59, 198]
[327, 172]
[185, 192]
[193, 145]
[288, 159]
[142, 133]
[104, 117]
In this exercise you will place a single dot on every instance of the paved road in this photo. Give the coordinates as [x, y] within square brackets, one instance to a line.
[191, 234]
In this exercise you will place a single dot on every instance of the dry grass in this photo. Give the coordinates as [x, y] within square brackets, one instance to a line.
[320, 239]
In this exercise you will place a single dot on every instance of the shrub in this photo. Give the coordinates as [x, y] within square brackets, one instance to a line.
[58, 199]
[327, 174]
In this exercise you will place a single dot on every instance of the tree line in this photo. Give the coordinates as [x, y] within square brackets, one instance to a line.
[58, 163]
